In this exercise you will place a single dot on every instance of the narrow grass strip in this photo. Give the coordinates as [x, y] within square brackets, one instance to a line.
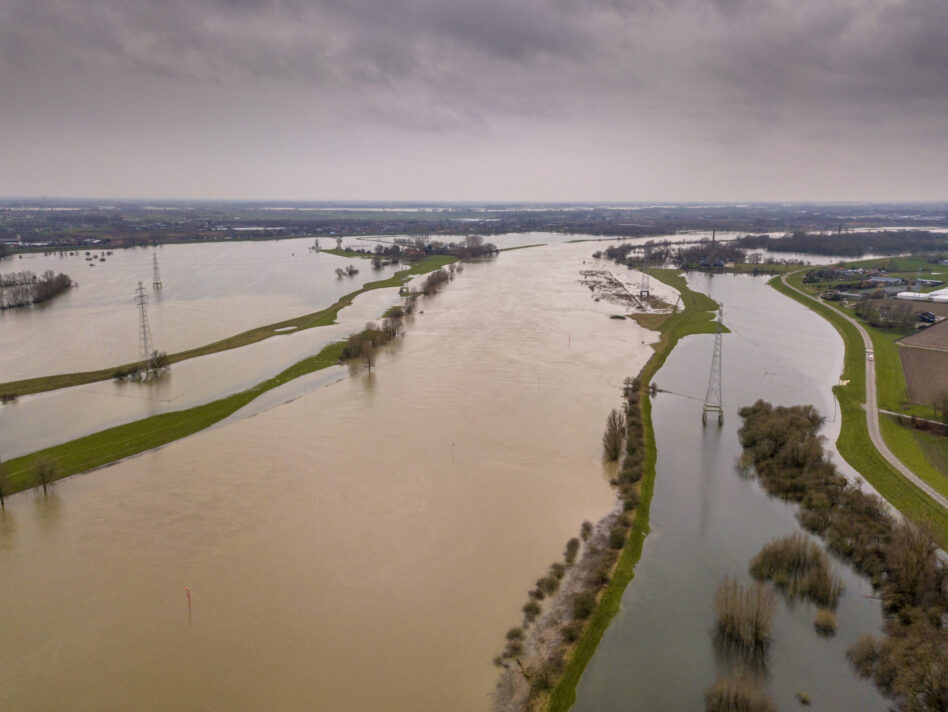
[323, 317]
[123, 441]
[696, 318]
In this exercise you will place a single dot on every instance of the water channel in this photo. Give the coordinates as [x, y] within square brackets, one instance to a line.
[708, 521]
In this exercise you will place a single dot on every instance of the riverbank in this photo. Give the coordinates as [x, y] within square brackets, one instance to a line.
[854, 443]
[696, 317]
[323, 317]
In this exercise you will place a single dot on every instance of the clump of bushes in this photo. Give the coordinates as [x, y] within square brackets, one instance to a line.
[825, 622]
[738, 692]
[433, 281]
[910, 663]
[365, 343]
[744, 614]
[584, 603]
[572, 548]
[799, 566]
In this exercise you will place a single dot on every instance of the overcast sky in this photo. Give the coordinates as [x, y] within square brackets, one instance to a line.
[475, 99]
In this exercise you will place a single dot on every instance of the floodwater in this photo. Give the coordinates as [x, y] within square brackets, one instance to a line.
[707, 522]
[46, 419]
[362, 546]
[210, 291]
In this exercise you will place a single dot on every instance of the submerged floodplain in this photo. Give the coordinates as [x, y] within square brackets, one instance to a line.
[339, 546]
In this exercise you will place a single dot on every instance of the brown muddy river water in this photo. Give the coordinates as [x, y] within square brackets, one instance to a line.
[362, 546]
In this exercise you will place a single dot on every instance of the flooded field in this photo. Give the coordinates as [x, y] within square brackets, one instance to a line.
[362, 546]
[210, 291]
[708, 521]
[362, 541]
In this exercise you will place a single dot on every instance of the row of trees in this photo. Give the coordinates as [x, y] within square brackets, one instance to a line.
[21, 289]
[850, 244]
[539, 647]
[898, 317]
[910, 662]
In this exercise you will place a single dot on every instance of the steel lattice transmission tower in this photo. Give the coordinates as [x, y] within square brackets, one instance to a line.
[712, 401]
[141, 299]
[643, 288]
[156, 283]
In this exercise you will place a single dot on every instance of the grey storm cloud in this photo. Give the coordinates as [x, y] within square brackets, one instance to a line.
[710, 70]
[854, 52]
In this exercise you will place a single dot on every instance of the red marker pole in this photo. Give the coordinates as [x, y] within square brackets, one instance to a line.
[187, 592]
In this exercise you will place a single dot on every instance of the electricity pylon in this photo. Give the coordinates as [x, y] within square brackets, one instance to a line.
[712, 401]
[643, 287]
[156, 283]
[141, 299]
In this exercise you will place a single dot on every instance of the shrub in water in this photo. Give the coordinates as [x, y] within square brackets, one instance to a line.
[799, 565]
[745, 614]
[738, 692]
[825, 622]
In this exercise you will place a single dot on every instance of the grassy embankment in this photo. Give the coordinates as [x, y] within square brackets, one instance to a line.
[747, 268]
[892, 395]
[348, 253]
[122, 441]
[697, 317]
[323, 317]
[853, 442]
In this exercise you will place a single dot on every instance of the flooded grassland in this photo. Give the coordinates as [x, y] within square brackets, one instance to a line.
[361, 546]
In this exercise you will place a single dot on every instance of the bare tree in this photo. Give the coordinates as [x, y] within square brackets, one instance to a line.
[369, 355]
[4, 483]
[45, 470]
[612, 438]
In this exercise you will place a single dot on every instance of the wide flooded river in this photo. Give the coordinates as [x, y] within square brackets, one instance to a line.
[364, 546]
[362, 541]
[708, 522]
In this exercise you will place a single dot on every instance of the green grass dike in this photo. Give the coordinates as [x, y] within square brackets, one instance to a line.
[108, 446]
[114, 444]
[697, 317]
[854, 443]
[324, 317]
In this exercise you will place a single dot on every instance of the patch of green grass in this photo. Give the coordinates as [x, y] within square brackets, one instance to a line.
[324, 317]
[521, 247]
[348, 253]
[116, 443]
[746, 268]
[696, 318]
[902, 440]
[935, 448]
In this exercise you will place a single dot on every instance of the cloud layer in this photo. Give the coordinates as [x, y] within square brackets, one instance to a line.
[693, 92]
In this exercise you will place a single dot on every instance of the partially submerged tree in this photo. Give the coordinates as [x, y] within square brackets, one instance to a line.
[4, 482]
[369, 356]
[45, 470]
[612, 438]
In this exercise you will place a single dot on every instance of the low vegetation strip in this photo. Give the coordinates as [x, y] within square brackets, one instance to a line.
[123, 441]
[854, 443]
[323, 317]
[113, 444]
[697, 317]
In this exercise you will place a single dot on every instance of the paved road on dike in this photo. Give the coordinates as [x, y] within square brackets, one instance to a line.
[872, 408]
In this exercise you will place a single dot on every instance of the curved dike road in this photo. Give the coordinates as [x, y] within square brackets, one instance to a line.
[872, 409]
